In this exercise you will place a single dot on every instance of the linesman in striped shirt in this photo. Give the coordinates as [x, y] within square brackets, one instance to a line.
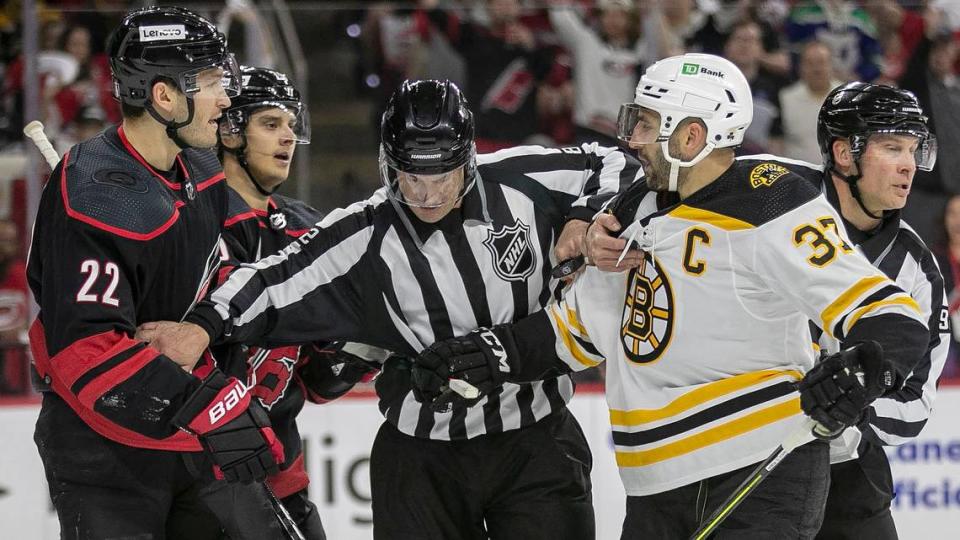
[452, 242]
[873, 139]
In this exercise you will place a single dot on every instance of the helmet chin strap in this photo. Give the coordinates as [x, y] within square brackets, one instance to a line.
[851, 181]
[173, 126]
[676, 163]
[241, 154]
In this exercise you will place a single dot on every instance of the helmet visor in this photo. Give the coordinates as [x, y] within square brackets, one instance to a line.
[423, 190]
[637, 124]
[229, 73]
[925, 156]
[287, 117]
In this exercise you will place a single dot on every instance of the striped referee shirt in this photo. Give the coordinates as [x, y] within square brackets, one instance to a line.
[897, 250]
[373, 273]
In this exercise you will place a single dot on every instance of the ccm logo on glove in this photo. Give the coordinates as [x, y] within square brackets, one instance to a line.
[497, 349]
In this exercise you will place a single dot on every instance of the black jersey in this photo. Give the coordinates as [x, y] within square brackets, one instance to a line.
[250, 234]
[116, 244]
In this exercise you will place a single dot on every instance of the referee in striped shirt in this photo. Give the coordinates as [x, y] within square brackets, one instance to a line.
[873, 139]
[452, 242]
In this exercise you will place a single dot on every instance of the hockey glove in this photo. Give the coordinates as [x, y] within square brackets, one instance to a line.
[480, 358]
[233, 429]
[841, 386]
[330, 371]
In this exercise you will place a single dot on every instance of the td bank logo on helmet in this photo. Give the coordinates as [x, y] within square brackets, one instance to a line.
[694, 69]
[162, 32]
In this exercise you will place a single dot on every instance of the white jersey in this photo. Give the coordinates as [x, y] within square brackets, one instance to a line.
[707, 339]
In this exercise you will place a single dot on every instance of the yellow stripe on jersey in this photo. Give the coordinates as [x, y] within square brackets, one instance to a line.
[719, 221]
[901, 299]
[713, 435]
[569, 341]
[575, 323]
[697, 396]
[836, 308]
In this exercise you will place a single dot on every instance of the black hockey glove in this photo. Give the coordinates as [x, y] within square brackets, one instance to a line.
[233, 429]
[331, 370]
[841, 386]
[481, 358]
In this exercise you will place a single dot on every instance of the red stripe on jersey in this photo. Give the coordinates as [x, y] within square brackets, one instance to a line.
[136, 155]
[240, 217]
[83, 355]
[105, 381]
[219, 177]
[110, 228]
[180, 441]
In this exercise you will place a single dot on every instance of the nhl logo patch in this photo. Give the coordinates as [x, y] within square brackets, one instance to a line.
[766, 174]
[513, 256]
[278, 221]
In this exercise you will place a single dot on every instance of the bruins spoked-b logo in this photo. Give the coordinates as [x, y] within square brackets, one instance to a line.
[513, 256]
[766, 174]
[647, 322]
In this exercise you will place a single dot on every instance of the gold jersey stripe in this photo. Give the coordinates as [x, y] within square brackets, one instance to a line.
[902, 299]
[575, 323]
[714, 435]
[843, 302]
[699, 395]
[569, 342]
[719, 221]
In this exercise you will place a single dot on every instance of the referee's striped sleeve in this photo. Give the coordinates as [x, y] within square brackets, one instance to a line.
[900, 416]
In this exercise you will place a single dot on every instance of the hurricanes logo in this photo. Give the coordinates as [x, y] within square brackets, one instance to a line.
[647, 323]
[766, 174]
[513, 256]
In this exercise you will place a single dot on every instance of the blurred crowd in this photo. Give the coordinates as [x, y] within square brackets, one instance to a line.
[555, 72]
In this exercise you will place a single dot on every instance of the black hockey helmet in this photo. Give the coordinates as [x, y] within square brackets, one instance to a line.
[167, 42]
[262, 88]
[857, 110]
[427, 129]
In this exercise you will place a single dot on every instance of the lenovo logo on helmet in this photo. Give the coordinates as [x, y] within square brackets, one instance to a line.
[426, 156]
[693, 69]
[162, 33]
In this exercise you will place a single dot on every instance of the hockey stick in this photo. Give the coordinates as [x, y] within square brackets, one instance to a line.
[34, 130]
[803, 434]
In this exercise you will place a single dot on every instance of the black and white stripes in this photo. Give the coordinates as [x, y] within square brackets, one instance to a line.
[367, 275]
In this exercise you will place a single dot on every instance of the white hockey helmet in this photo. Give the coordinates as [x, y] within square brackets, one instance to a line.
[701, 86]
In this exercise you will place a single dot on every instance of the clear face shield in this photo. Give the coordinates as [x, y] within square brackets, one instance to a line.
[275, 115]
[230, 78]
[428, 191]
[925, 156]
[638, 125]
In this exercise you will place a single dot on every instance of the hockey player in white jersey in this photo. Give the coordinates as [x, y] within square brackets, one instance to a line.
[707, 340]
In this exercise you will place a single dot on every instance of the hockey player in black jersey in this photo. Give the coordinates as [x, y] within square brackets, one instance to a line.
[873, 139]
[128, 231]
[259, 135]
[453, 241]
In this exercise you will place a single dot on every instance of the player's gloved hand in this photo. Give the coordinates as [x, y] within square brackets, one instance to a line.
[841, 386]
[330, 370]
[233, 429]
[481, 358]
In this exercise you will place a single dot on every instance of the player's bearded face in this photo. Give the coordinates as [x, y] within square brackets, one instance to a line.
[209, 103]
[431, 197]
[270, 145]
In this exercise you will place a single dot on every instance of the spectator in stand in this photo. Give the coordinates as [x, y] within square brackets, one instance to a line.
[505, 65]
[13, 311]
[947, 251]
[800, 102]
[607, 61]
[899, 31]
[744, 48]
[93, 86]
[932, 76]
[720, 19]
[845, 28]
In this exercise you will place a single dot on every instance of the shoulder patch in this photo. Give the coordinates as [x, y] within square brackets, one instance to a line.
[766, 174]
[104, 187]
